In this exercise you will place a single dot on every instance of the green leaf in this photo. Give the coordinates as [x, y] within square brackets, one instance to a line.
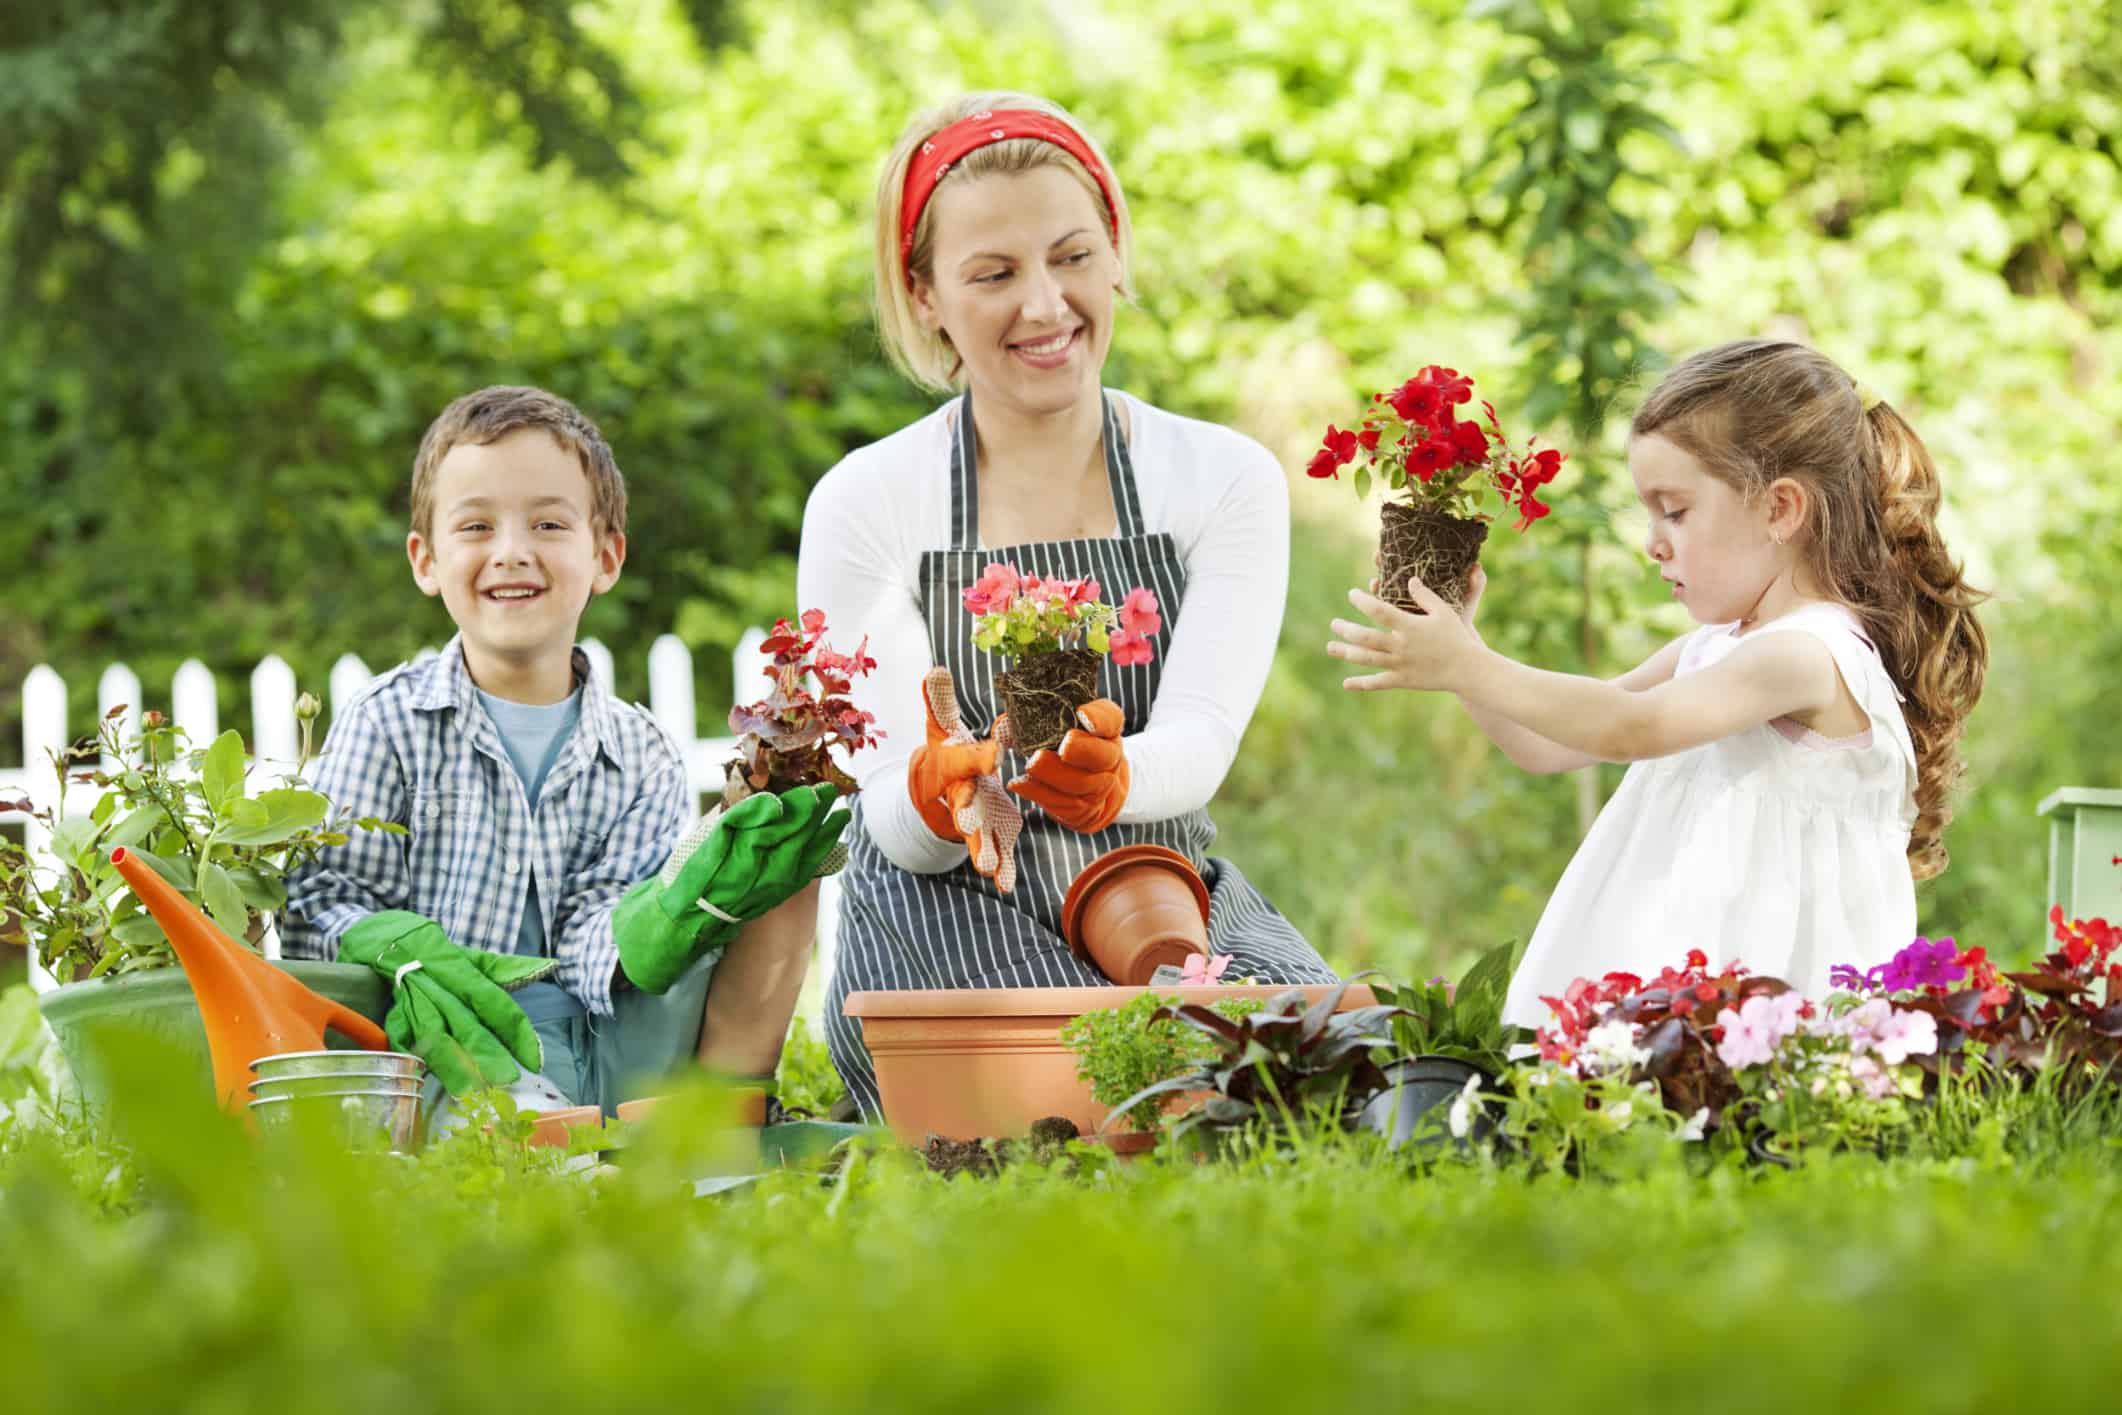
[135, 827]
[261, 889]
[106, 805]
[287, 812]
[177, 869]
[223, 900]
[139, 931]
[74, 841]
[221, 772]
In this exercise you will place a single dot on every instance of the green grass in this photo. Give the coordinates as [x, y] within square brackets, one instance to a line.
[204, 1273]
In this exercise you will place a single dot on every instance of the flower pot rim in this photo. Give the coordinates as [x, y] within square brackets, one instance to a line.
[84, 993]
[1102, 869]
[1064, 1002]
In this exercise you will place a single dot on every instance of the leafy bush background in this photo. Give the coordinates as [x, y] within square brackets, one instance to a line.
[210, 456]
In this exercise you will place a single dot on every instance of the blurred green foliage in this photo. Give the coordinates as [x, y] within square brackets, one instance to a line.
[190, 1269]
[1929, 190]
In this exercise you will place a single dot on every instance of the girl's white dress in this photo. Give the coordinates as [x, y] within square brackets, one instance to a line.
[1775, 847]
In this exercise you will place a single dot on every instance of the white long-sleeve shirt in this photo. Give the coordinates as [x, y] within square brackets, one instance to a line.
[1219, 494]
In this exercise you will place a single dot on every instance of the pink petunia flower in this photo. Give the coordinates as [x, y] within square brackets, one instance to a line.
[1138, 613]
[1201, 970]
[1757, 1028]
[1130, 649]
[1871, 1077]
[994, 591]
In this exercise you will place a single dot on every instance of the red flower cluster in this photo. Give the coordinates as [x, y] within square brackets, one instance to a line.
[786, 739]
[1413, 438]
[1691, 992]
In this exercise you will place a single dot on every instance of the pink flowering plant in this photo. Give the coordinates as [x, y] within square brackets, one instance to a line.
[789, 737]
[1019, 616]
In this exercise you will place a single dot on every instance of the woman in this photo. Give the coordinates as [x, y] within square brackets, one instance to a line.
[1002, 240]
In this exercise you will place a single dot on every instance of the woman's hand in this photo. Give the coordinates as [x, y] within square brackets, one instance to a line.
[1083, 782]
[951, 778]
[1431, 651]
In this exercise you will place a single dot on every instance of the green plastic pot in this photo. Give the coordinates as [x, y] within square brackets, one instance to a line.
[159, 1003]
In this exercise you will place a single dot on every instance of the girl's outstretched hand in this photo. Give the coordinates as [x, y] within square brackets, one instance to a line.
[1426, 652]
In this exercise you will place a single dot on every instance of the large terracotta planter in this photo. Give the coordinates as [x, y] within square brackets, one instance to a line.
[987, 1062]
[1135, 909]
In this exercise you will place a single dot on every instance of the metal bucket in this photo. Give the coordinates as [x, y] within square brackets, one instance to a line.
[369, 1080]
[359, 1113]
[336, 1063]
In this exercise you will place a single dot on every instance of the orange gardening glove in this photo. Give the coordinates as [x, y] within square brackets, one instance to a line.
[1083, 782]
[954, 786]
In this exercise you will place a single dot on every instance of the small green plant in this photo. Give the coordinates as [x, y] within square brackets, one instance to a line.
[1463, 1021]
[1282, 1064]
[188, 815]
[1122, 1050]
[806, 1080]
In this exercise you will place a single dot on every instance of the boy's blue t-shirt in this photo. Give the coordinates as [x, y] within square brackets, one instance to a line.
[532, 734]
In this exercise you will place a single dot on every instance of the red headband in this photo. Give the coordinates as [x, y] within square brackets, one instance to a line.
[942, 152]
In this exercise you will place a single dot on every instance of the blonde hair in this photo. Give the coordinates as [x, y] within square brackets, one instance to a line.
[491, 414]
[1758, 410]
[925, 355]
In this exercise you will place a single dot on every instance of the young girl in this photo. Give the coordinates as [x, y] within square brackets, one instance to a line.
[1793, 756]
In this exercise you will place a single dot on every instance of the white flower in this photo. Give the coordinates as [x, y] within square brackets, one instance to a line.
[1462, 1112]
[1620, 1113]
[1696, 1124]
[1611, 1046]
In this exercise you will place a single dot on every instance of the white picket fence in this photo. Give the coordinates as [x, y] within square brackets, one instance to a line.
[48, 726]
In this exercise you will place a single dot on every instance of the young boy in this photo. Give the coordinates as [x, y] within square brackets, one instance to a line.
[520, 913]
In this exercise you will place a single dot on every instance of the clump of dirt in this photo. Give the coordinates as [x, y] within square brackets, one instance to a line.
[1047, 1142]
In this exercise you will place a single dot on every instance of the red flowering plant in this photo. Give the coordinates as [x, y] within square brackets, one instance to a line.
[1055, 630]
[1415, 441]
[2066, 1009]
[1441, 470]
[788, 737]
[1665, 1029]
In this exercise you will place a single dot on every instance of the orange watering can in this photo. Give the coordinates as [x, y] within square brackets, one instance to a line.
[250, 1008]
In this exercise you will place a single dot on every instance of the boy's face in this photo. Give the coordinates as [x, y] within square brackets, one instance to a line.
[514, 555]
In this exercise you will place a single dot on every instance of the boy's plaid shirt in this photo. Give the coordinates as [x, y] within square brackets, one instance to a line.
[417, 747]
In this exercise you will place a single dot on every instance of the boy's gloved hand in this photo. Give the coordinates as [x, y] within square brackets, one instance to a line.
[734, 866]
[450, 1006]
[1083, 782]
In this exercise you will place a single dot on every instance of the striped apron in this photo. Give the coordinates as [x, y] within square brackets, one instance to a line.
[955, 930]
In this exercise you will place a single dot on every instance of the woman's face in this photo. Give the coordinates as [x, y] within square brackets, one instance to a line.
[1024, 280]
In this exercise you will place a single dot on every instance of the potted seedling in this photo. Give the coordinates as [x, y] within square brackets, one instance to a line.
[788, 737]
[1296, 1061]
[189, 816]
[1447, 1036]
[1122, 1051]
[1053, 632]
[1440, 472]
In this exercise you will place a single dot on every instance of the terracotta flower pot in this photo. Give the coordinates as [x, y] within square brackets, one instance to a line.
[975, 1063]
[748, 1106]
[555, 1127]
[1134, 909]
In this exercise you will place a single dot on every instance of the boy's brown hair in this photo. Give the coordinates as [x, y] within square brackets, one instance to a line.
[491, 414]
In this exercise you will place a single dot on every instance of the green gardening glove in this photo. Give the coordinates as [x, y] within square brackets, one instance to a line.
[450, 1006]
[741, 862]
